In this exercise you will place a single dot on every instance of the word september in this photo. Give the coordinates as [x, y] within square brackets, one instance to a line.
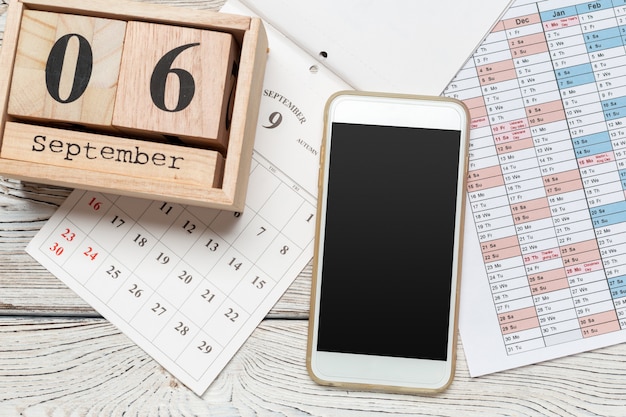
[130, 156]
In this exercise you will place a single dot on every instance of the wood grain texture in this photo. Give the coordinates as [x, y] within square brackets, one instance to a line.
[80, 365]
[86, 367]
[41, 33]
[105, 155]
[209, 55]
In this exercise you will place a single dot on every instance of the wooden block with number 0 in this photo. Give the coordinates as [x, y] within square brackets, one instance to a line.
[88, 88]
[181, 86]
[66, 68]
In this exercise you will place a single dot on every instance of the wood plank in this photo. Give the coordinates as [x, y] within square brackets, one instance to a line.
[195, 109]
[42, 35]
[109, 155]
[121, 9]
[28, 288]
[87, 367]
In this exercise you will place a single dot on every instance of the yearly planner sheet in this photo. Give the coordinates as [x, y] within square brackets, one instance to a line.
[545, 246]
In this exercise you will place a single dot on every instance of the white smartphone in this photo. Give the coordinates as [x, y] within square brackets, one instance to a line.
[387, 260]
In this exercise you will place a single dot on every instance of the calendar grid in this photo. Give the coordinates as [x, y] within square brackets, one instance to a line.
[546, 192]
[189, 284]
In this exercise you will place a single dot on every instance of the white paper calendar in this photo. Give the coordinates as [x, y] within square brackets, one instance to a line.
[189, 284]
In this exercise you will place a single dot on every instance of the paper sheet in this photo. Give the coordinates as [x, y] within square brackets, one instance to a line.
[544, 267]
[396, 46]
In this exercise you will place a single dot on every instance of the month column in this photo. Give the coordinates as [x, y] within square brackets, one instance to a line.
[498, 149]
[572, 33]
[536, 157]
[613, 95]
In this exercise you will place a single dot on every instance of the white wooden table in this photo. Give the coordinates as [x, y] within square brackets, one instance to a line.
[58, 357]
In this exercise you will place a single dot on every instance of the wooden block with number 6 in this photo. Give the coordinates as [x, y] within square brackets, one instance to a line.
[66, 68]
[182, 85]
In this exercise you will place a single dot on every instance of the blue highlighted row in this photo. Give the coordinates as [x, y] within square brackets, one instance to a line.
[608, 214]
[614, 103]
[601, 45]
[608, 209]
[592, 144]
[608, 220]
[617, 285]
[591, 140]
[582, 79]
[574, 71]
[614, 108]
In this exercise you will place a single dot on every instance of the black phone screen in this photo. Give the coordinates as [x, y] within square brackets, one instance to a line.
[388, 247]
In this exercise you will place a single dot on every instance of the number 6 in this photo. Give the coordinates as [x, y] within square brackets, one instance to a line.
[159, 79]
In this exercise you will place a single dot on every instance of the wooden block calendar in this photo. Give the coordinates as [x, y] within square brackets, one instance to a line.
[154, 101]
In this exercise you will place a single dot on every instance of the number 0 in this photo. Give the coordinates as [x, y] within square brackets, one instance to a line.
[54, 66]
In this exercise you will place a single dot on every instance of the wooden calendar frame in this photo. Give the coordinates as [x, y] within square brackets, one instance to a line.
[230, 195]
